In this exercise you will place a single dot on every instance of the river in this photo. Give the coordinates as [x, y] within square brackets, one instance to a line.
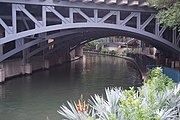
[38, 96]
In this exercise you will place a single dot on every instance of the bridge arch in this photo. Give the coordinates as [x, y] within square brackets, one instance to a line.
[106, 32]
[77, 28]
[126, 21]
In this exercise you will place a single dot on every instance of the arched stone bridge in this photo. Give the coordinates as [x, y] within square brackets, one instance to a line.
[26, 25]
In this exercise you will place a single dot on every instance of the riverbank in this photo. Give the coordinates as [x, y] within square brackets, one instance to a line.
[15, 67]
[140, 69]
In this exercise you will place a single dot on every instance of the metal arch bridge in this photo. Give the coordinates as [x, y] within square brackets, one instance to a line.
[27, 23]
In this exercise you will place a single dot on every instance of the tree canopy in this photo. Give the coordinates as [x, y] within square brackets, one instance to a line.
[169, 12]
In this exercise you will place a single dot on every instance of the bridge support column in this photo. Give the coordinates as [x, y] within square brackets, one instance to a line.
[72, 54]
[60, 60]
[177, 64]
[79, 51]
[166, 61]
[172, 64]
[2, 76]
[27, 68]
[46, 64]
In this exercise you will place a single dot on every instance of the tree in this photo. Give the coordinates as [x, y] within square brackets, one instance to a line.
[169, 12]
[91, 45]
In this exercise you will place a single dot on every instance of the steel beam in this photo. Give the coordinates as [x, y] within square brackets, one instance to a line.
[21, 7]
[44, 16]
[88, 25]
[178, 39]
[24, 21]
[95, 15]
[57, 14]
[174, 36]
[107, 16]
[162, 31]
[7, 29]
[147, 21]
[122, 2]
[81, 40]
[118, 17]
[133, 2]
[133, 14]
[88, 5]
[83, 15]
[40, 40]
[14, 22]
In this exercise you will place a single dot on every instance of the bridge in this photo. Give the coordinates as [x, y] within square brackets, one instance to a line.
[42, 27]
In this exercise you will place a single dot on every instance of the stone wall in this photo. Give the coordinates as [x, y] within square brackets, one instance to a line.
[14, 67]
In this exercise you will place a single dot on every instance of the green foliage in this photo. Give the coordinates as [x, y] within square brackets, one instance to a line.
[104, 50]
[159, 81]
[171, 16]
[90, 46]
[157, 99]
[112, 52]
[162, 3]
[168, 12]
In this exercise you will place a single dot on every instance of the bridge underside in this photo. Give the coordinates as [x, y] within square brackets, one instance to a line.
[26, 26]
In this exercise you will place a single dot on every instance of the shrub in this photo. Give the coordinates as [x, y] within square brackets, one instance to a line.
[157, 99]
[112, 52]
[104, 50]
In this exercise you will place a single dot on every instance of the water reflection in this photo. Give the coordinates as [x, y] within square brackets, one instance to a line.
[37, 96]
[2, 91]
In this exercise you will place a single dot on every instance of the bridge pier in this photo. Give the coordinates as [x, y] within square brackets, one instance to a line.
[46, 64]
[27, 69]
[172, 64]
[2, 75]
[79, 51]
[72, 54]
[177, 65]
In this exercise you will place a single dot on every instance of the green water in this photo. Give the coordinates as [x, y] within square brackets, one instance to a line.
[39, 96]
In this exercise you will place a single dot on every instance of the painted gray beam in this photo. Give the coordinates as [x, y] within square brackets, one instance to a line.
[7, 29]
[34, 52]
[118, 17]
[34, 42]
[19, 42]
[178, 39]
[162, 31]
[71, 18]
[95, 15]
[85, 1]
[107, 16]
[133, 14]
[174, 35]
[99, 1]
[57, 14]
[39, 40]
[24, 21]
[122, 2]
[88, 25]
[157, 25]
[110, 1]
[44, 15]
[138, 24]
[143, 3]
[89, 5]
[29, 15]
[147, 21]
[133, 2]
[83, 15]
[14, 20]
